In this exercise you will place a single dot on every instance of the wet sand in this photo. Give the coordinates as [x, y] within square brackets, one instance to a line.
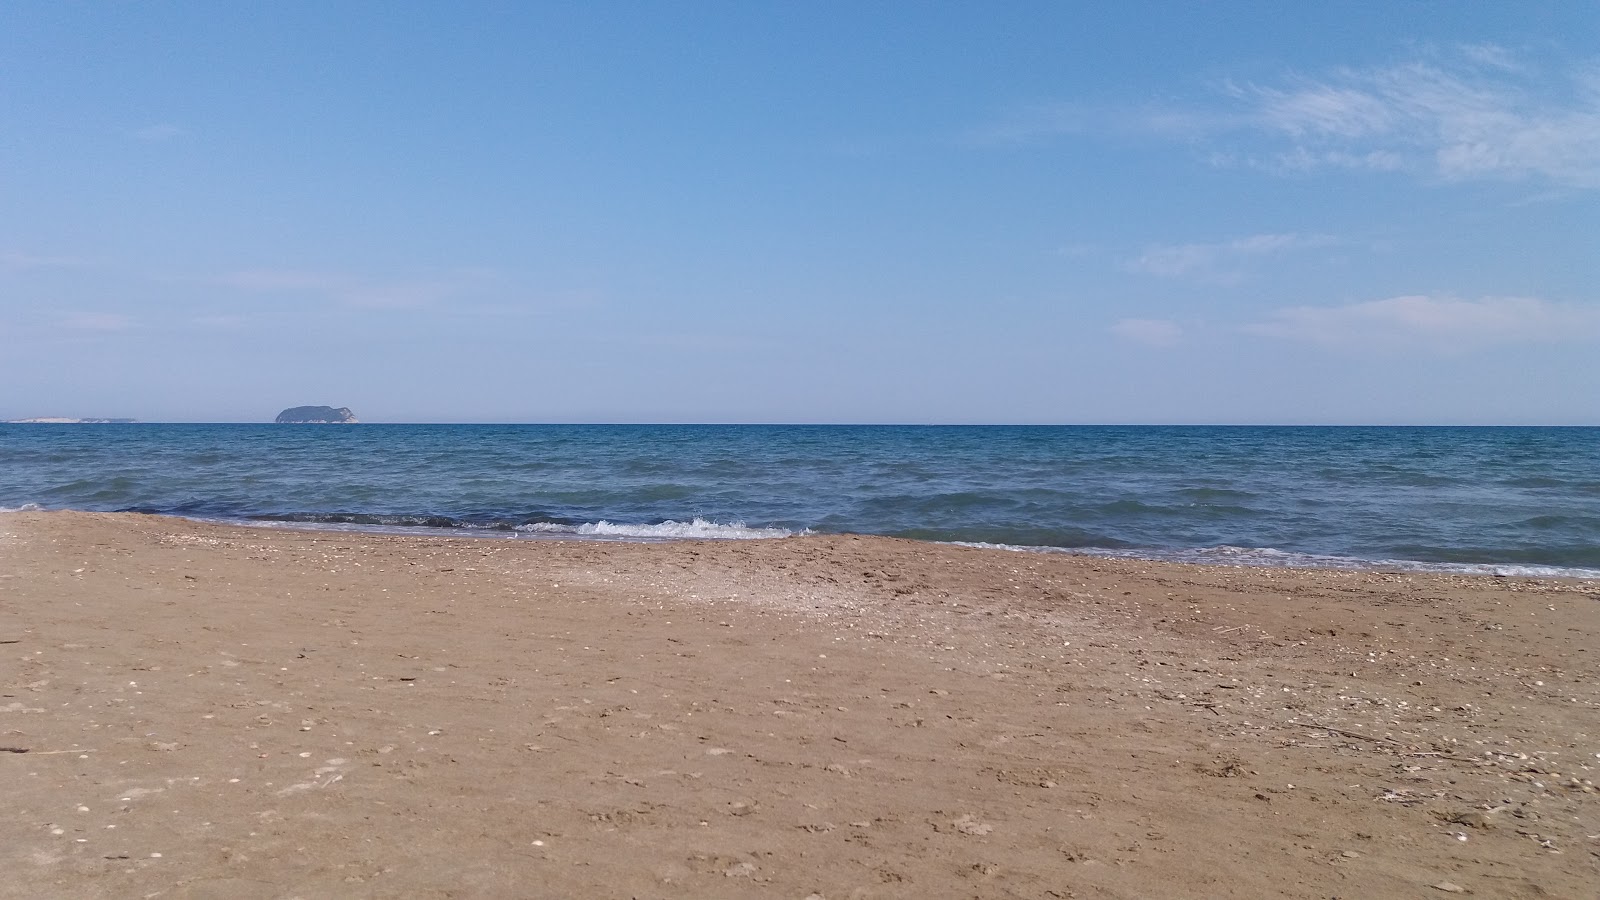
[192, 710]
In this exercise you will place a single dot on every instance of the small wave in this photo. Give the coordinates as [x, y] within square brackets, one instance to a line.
[1536, 481]
[668, 530]
[1132, 508]
[1547, 522]
[377, 519]
[26, 507]
[1211, 495]
[1269, 557]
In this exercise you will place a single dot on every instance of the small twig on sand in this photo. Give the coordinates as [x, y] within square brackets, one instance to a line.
[1226, 630]
[1352, 734]
[1437, 755]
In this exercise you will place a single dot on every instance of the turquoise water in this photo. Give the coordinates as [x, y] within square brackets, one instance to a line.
[1523, 500]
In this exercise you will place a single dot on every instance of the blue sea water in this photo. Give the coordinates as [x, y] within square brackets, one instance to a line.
[1511, 500]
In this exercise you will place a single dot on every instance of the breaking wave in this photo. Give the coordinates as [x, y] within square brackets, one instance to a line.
[696, 528]
[1269, 557]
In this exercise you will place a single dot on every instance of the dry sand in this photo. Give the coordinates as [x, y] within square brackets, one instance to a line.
[202, 711]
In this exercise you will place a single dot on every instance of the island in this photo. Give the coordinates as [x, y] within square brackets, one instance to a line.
[317, 415]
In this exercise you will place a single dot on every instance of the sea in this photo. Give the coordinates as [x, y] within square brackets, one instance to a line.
[1509, 501]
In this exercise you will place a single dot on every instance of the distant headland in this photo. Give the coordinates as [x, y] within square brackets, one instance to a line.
[66, 420]
[317, 415]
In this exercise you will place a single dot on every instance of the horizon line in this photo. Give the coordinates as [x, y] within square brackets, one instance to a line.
[831, 424]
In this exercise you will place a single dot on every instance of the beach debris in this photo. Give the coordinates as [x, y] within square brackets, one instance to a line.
[1449, 887]
[1222, 767]
[969, 825]
[1471, 819]
[740, 870]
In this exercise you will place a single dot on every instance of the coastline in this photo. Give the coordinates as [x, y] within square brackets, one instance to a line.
[279, 710]
[1521, 501]
[700, 529]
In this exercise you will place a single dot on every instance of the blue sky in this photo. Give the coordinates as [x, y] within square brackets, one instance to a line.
[746, 212]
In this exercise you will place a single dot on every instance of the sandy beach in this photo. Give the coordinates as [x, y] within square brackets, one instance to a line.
[194, 710]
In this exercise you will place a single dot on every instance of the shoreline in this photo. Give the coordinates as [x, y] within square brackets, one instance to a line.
[261, 711]
[1510, 500]
[665, 532]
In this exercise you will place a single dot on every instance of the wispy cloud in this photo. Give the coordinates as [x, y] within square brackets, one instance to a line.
[96, 321]
[1028, 122]
[1222, 261]
[12, 261]
[1043, 121]
[1472, 114]
[1492, 56]
[1150, 332]
[1435, 322]
[220, 322]
[349, 290]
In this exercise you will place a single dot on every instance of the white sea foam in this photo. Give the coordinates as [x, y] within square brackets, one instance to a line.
[697, 528]
[1270, 557]
[26, 507]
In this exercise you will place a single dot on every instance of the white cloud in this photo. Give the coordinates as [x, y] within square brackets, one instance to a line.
[1437, 322]
[1221, 261]
[1480, 114]
[1315, 109]
[1152, 332]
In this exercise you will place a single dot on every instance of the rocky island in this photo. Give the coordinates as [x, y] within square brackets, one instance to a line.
[317, 415]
